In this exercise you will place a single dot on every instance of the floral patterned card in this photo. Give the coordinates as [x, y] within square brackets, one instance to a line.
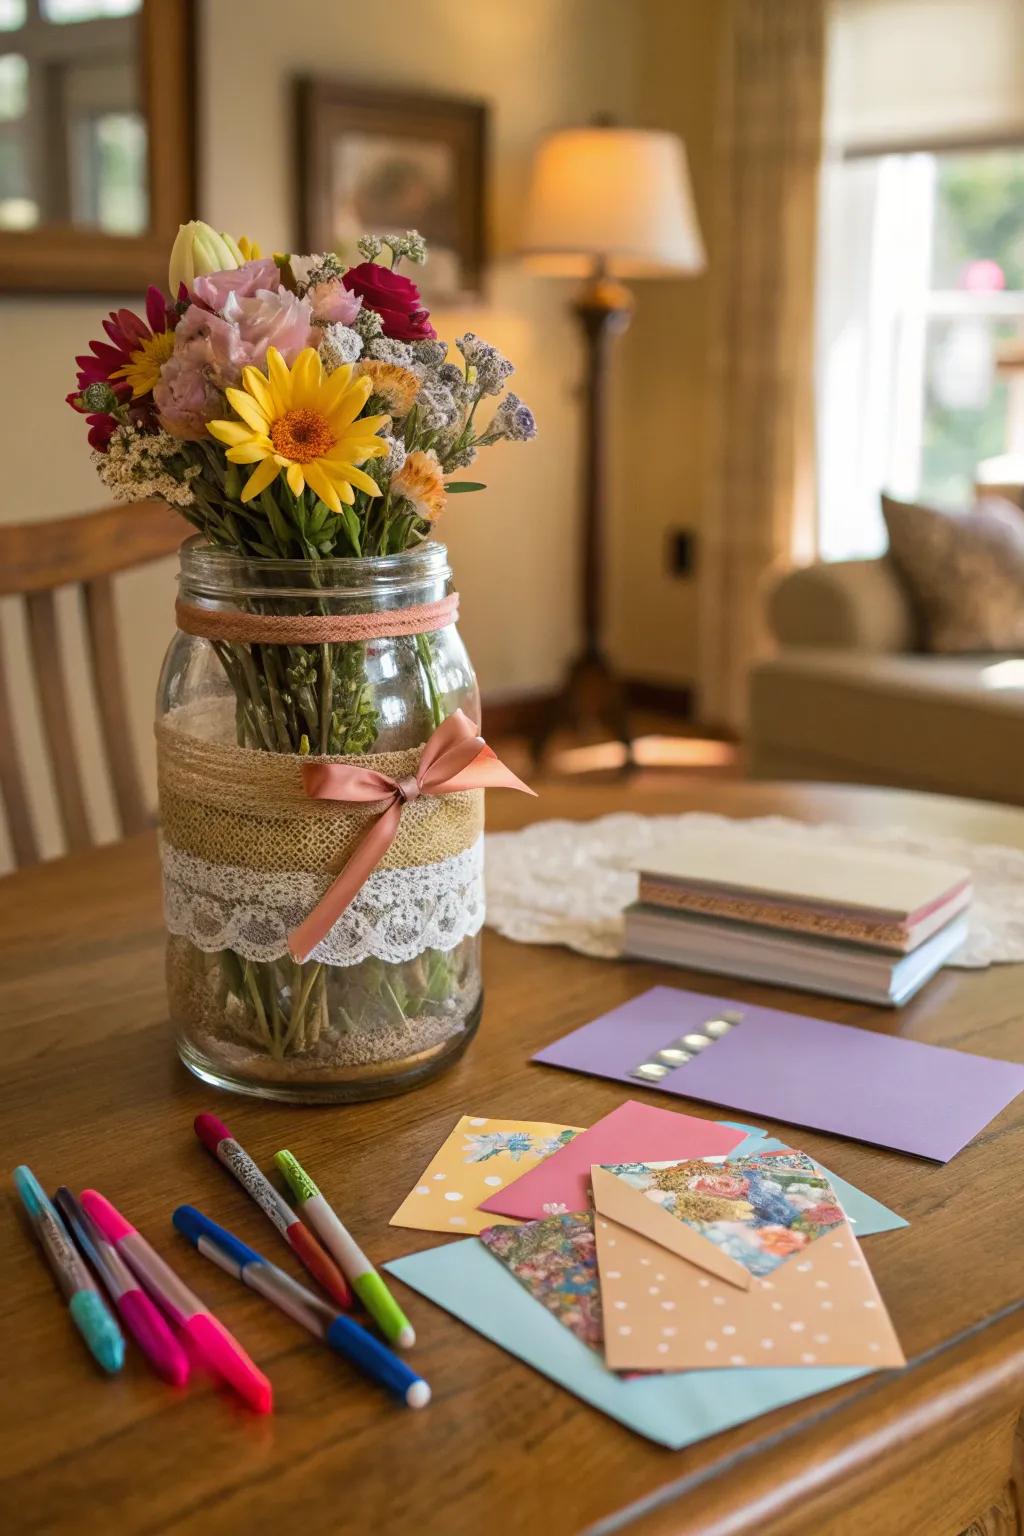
[670, 1304]
[759, 1211]
[556, 1261]
[478, 1158]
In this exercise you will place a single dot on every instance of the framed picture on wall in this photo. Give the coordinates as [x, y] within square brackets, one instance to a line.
[373, 161]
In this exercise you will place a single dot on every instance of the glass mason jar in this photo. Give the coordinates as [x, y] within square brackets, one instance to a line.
[398, 995]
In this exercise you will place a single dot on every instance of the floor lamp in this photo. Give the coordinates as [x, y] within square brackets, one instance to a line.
[605, 203]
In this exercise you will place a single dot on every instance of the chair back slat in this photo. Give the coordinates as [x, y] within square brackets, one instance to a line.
[12, 783]
[36, 557]
[115, 727]
[35, 560]
[55, 709]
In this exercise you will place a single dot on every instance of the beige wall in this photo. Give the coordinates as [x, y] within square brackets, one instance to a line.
[662, 381]
[540, 64]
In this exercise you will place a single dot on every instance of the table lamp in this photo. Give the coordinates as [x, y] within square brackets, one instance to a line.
[605, 203]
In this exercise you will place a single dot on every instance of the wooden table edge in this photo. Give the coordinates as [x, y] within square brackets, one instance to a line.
[950, 1390]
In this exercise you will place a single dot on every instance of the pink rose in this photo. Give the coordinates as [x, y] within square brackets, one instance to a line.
[724, 1186]
[394, 297]
[213, 290]
[333, 304]
[211, 342]
[271, 319]
[185, 399]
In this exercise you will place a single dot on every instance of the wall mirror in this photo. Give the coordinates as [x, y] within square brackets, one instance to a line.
[96, 141]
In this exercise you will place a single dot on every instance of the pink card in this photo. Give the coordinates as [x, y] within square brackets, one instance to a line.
[630, 1134]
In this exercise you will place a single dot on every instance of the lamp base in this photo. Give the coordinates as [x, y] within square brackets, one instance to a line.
[591, 694]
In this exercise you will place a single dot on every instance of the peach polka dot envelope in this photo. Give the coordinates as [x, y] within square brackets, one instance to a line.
[746, 1263]
[478, 1158]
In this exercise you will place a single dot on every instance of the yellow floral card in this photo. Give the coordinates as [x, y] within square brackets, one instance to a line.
[479, 1157]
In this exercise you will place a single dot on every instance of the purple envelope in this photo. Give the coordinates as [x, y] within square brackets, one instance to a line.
[873, 1087]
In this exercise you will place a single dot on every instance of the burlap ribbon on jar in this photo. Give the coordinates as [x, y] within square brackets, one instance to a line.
[235, 819]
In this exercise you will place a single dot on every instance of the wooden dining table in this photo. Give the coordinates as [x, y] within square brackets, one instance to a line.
[92, 1093]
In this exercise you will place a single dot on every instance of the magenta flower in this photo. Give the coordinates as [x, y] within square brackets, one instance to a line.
[131, 342]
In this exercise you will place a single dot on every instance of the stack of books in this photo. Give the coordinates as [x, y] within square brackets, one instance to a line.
[855, 923]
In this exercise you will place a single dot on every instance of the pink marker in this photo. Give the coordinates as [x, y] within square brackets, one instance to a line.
[218, 1348]
[140, 1315]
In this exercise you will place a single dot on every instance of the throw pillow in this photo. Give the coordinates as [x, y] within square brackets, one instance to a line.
[963, 571]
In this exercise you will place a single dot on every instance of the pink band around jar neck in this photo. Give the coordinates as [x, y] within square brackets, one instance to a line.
[314, 628]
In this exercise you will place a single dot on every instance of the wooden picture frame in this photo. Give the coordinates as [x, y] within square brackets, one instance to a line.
[437, 147]
[67, 258]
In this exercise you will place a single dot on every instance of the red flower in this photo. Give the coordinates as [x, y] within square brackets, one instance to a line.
[823, 1215]
[395, 298]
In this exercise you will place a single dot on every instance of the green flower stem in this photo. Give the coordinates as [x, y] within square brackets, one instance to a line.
[326, 695]
[433, 693]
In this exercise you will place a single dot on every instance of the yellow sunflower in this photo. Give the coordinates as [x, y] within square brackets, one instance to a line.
[303, 422]
[142, 370]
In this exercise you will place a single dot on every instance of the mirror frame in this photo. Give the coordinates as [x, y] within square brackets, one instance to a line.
[61, 259]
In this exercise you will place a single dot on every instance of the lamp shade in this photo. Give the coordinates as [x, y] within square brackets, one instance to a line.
[618, 197]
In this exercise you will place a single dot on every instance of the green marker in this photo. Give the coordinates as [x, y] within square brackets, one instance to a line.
[347, 1254]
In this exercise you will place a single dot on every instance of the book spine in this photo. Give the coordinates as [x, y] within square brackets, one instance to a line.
[769, 914]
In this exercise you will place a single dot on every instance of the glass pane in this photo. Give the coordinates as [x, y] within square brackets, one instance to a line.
[13, 86]
[965, 405]
[18, 209]
[979, 221]
[12, 14]
[118, 149]
[62, 11]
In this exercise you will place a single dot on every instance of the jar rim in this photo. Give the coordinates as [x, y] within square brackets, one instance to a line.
[213, 570]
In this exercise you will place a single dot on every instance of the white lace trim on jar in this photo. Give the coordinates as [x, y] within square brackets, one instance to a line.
[397, 914]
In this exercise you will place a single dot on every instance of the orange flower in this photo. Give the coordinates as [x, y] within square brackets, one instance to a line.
[420, 481]
[780, 1240]
[397, 386]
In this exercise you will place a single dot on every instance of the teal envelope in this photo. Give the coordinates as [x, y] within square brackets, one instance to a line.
[675, 1409]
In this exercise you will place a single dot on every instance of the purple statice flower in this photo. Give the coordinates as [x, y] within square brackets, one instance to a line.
[492, 367]
[512, 420]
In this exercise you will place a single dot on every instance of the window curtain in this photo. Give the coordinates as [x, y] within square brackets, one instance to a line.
[760, 501]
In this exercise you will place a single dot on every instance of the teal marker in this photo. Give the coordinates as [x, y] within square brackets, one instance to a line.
[347, 1254]
[92, 1316]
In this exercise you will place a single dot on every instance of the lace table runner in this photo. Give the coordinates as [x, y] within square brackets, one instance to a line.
[568, 882]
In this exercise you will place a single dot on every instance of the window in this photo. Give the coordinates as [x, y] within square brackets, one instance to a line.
[72, 135]
[921, 318]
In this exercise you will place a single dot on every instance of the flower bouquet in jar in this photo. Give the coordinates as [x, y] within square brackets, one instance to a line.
[320, 768]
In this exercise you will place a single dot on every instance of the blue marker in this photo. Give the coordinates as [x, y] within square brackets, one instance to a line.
[91, 1314]
[323, 1321]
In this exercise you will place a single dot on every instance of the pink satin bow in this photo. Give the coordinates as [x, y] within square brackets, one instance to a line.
[454, 758]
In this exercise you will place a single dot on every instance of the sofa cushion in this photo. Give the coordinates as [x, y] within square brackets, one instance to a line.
[951, 724]
[964, 573]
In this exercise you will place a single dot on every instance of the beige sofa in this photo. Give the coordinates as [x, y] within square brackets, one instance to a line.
[846, 696]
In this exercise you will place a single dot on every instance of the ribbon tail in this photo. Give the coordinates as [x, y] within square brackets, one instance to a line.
[486, 771]
[363, 860]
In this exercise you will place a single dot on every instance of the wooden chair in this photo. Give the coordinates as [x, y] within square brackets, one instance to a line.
[36, 559]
